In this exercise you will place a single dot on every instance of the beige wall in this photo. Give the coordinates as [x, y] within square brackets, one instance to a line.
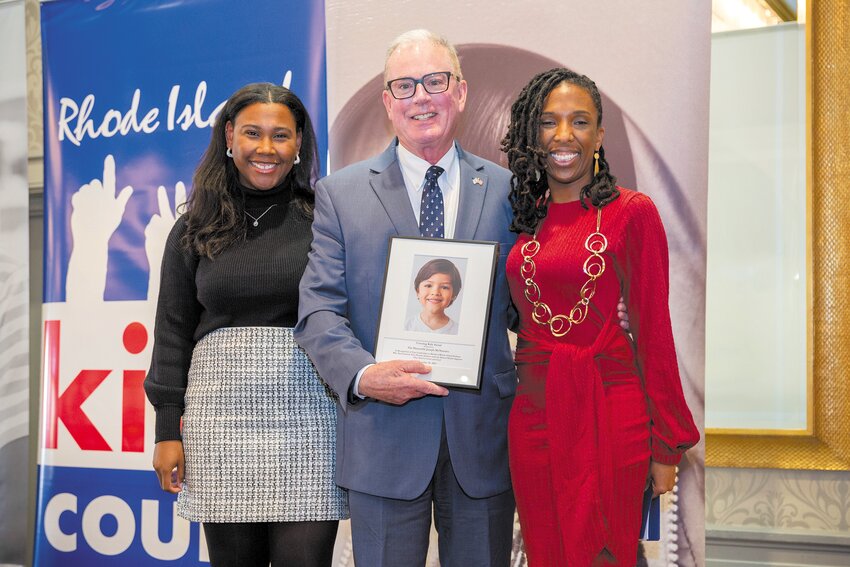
[782, 517]
[804, 503]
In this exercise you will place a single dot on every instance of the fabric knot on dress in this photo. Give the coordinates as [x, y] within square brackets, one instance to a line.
[580, 449]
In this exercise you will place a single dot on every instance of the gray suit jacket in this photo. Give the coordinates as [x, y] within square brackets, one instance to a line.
[382, 449]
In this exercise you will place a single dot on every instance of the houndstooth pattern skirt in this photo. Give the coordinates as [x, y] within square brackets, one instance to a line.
[258, 432]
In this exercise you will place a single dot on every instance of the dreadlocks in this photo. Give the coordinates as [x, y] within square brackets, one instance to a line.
[527, 160]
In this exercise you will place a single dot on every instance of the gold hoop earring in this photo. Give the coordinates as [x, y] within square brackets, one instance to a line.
[596, 163]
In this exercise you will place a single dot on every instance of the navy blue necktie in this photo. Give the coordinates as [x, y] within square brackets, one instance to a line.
[431, 213]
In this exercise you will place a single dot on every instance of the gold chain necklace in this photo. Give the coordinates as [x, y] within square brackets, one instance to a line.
[559, 325]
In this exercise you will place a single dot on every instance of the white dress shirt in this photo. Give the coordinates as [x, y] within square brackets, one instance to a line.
[413, 170]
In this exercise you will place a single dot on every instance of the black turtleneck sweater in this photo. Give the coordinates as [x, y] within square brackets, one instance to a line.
[253, 283]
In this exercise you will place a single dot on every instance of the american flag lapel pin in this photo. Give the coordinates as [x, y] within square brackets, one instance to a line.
[477, 181]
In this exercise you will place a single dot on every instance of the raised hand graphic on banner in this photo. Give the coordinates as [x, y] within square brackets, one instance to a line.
[156, 233]
[96, 213]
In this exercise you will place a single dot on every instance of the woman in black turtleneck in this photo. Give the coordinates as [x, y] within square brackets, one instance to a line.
[257, 440]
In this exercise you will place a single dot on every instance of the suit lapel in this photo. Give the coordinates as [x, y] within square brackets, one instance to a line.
[473, 188]
[388, 184]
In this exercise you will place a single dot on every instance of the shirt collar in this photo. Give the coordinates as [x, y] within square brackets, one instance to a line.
[414, 167]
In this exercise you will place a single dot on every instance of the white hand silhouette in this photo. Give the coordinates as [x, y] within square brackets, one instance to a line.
[156, 233]
[96, 214]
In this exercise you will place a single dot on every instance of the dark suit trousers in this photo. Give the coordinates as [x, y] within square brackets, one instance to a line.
[472, 532]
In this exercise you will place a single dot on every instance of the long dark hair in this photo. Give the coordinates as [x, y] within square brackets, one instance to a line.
[215, 211]
[526, 159]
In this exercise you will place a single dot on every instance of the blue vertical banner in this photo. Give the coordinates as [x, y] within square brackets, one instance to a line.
[131, 90]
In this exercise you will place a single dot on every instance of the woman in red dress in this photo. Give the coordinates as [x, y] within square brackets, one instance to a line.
[599, 413]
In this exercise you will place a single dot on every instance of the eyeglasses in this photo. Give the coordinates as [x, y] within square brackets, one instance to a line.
[433, 83]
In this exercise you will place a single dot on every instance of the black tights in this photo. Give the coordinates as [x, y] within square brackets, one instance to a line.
[283, 544]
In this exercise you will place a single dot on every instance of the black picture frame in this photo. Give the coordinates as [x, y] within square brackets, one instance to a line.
[407, 329]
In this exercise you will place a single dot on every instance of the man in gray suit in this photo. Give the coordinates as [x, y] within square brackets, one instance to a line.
[407, 447]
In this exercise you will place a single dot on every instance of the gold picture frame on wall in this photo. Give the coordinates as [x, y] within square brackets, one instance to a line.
[825, 443]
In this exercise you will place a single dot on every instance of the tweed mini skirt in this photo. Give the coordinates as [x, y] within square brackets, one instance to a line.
[259, 432]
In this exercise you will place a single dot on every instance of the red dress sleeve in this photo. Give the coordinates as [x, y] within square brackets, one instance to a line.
[646, 291]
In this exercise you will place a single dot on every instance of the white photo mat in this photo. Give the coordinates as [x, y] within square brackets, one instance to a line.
[457, 355]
